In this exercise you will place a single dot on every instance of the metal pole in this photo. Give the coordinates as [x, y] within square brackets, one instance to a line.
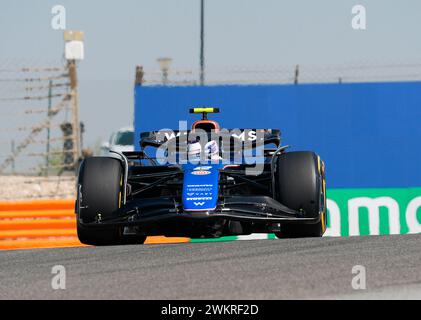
[202, 43]
[297, 73]
[75, 111]
[139, 76]
[165, 77]
[47, 158]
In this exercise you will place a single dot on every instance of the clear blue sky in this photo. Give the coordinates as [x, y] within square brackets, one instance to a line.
[122, 34]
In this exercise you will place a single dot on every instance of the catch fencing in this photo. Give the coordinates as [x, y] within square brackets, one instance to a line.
[362, 71]
[37, 103]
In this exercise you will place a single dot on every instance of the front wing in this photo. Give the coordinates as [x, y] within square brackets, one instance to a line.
[259, 209]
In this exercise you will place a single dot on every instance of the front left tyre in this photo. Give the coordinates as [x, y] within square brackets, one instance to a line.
[301, 185]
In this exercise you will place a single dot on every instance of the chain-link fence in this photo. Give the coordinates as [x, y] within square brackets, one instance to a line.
[368, 71]
[36, 143]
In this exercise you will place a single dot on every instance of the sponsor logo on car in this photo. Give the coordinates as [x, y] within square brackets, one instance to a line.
[203, 168]
[198, 198]
[201, 172]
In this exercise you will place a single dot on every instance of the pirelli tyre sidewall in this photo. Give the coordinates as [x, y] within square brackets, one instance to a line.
[300, 185]
[99, 193]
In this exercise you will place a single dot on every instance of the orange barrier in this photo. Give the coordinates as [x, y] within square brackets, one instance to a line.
[37, 214]
[42, 233]
[162, 239]
[37, 224]
[46, 224]
[53, 204]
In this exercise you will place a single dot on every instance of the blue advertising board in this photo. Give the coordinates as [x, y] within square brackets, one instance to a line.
[369, 134]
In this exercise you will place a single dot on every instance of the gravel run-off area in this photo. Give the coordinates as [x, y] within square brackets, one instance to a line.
[29, 188]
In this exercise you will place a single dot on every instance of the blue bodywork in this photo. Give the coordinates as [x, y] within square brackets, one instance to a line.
[200, 186]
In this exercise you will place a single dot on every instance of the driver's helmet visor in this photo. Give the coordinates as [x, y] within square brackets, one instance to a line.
[194, 150]
[210, 150]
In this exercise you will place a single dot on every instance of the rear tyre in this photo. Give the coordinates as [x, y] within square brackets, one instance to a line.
[300, 185]
[99, 193]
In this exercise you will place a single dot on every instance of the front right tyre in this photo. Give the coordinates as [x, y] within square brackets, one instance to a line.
[100, 186]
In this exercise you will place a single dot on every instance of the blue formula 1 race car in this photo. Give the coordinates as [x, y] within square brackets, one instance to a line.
[205, 182]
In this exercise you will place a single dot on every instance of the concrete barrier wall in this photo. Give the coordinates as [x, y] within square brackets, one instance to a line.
[368, 134]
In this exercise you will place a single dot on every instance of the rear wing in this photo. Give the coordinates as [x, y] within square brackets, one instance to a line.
[251, 136]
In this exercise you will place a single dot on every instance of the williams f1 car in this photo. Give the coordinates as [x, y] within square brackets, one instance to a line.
[207, 187]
